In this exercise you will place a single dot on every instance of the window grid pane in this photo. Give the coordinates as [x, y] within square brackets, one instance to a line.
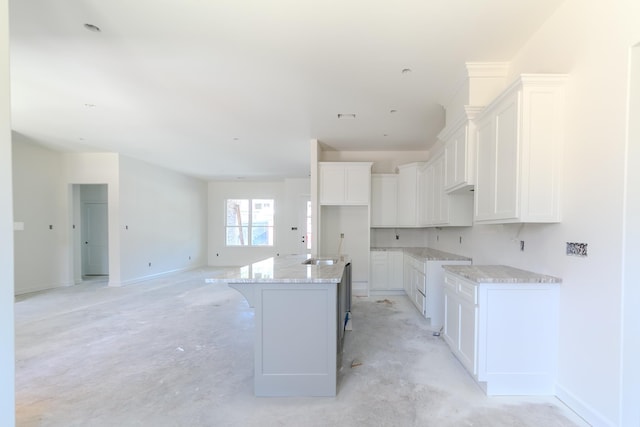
[249, 222]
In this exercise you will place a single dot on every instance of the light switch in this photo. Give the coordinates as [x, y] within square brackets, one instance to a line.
[18, 226]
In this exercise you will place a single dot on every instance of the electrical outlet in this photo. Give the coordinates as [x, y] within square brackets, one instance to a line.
[577, 249]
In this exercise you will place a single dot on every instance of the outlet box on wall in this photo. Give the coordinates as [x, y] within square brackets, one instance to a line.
[577, 249]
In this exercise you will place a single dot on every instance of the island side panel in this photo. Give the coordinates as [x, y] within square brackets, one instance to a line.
[296, 341]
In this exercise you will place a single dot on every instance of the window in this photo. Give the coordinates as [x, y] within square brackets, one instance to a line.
[249, 222]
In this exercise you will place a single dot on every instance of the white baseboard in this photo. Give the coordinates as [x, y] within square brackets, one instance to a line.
[360, 289]
[389, 292]
[151, 276]
[587, 413]
[38, 288]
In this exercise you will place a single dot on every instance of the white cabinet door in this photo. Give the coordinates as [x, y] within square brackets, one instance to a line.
[506, 155]
[379, 278]
[519, 141]
[451, 318]
[344, 183]
[332, 190]
[384, 200]
[396, 268]
[496, 169]
[440, 205]
[386, 271]
[467, 347]
[459, 153]
[452, 156]
[440, 208]
[358, 184]
[408, 198]
[485, 171]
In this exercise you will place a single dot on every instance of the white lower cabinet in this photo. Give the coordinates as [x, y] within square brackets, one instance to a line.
[505, 334]
[423, 285]
[386, 272]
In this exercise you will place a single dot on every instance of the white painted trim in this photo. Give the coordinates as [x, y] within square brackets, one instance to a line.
[43, 287]
[582, 409]
[7, 278]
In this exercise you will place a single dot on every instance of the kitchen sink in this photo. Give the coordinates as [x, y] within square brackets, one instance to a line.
[320, 261]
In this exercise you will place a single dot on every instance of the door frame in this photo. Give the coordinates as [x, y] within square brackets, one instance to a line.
[76, 220]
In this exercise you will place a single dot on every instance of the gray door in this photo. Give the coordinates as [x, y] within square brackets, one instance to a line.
[95, 248]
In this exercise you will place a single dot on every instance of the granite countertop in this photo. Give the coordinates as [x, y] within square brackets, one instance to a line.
[499, 274]
[284, 269]
[427, 254]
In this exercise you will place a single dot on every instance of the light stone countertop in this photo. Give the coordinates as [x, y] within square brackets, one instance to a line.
[427, 254]
[283, 269]
[499, 274]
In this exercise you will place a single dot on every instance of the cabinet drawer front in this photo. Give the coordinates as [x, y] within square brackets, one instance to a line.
[450, 283]
[420, 266]
[419, 301]
[467, 292]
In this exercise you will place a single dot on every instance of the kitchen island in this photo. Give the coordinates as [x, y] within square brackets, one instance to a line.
[300, 315]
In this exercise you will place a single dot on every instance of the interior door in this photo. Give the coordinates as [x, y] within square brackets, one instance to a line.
[95, 248]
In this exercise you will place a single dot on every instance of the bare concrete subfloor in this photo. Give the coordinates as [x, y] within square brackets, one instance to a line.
[177, 351]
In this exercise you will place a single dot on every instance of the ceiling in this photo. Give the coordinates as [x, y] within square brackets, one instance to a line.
[221, 89]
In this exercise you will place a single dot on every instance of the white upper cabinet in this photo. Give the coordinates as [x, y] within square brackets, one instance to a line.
[440, 208]
[459, 153]
[519, 141]
[384, 200]
[409, 198]
[344, 183]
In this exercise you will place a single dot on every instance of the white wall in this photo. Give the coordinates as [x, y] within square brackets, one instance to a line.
[286, 195]
[353, 223]
[94, 168]
[7, 398]
[406, 237]
[38, 204]
[165, 213]
[591, 42]
[163, 221]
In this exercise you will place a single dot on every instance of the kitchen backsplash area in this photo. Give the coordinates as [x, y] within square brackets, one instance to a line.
[399, 237]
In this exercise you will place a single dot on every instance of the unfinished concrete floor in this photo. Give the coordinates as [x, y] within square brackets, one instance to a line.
[177, 351]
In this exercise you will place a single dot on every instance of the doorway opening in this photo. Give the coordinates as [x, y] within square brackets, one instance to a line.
[305, 238]
[91, 232]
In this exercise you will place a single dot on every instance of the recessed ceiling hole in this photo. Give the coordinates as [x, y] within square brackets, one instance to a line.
[92, 27]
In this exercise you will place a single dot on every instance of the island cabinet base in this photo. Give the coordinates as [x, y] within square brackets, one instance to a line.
[299, 335]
